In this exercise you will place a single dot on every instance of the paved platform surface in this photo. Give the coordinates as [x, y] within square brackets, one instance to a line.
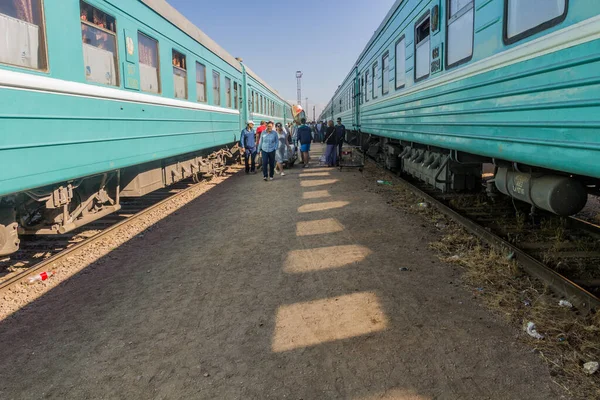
[284, 289]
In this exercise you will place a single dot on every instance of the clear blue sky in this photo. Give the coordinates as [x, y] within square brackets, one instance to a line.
[322, 38]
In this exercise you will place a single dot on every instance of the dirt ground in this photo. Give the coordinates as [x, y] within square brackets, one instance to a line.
[306, 287]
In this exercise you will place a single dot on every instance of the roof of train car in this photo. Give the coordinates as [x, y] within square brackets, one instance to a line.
[169, 13]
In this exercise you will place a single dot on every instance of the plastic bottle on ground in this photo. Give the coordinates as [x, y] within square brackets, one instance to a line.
[40, 277]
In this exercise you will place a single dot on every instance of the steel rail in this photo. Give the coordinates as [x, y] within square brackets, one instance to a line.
[57, 257]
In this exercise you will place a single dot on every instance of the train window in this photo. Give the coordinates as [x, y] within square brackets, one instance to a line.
[228, 91]
[200, 82]
[100, 55]
[460, 20]
[385, 73]
[235, 95]
[374, 81]
[180, 75]
[216, 88]
[367, 86]
[401, 63]
[23, 34]
[149, 65]
[525, 18]
[422, 48]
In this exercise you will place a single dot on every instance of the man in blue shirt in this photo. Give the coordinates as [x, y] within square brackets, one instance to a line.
[248, 145]
[340, 132]
[304, 136]
[267, 145]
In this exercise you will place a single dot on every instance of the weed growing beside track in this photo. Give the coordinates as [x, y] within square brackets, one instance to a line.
[570, 339]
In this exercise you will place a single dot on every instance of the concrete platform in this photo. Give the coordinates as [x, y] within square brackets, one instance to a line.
[283, 289]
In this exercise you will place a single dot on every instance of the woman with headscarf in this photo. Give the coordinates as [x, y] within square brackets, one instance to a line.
[282, 148]
[331, 141]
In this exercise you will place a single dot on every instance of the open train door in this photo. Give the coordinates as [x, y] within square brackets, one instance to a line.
[356, 98]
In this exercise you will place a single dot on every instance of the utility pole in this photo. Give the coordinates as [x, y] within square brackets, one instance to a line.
[314, 107]
[299, 82]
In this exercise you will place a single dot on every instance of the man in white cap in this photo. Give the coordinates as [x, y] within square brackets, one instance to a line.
[248, 145]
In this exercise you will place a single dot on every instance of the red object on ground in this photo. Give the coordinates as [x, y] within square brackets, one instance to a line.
[40, 277]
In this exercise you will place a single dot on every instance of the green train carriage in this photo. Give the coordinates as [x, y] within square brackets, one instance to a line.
[102, 99]
[447, 85]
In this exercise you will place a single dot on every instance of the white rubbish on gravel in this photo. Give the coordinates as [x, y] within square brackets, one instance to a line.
[591, 367]
[532, 331]
[565, 303]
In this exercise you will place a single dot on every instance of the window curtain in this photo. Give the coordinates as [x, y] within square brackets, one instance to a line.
[147, 50]
[24, 10]
[19, 42]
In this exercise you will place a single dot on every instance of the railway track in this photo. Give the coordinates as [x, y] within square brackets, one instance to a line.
[39, 253]
[564, 253]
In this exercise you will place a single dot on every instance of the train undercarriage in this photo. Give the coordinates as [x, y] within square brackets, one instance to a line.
[69, 205]
[454, 171]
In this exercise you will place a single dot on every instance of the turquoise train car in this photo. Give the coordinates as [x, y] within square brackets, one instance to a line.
[102, 99]
[444, 86]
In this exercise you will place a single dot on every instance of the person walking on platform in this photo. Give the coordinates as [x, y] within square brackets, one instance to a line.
[267, 145]
[248, 145]
[304, 136]
[331, 141]
[260, 130]
[340, 132]
[289, 132]
[319, 136]
[283, 148]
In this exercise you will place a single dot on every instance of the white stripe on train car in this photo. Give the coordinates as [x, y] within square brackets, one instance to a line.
[265, 117]
[37, 83]
[574, 35]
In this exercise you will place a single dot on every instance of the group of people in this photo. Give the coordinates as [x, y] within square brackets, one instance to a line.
[275, 145]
